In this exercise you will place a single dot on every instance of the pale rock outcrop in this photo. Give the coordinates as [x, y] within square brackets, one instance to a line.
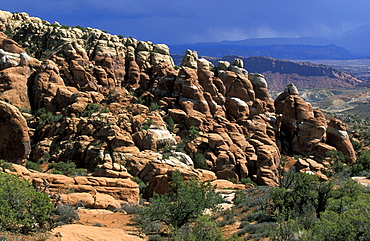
[259, 86]
[222, 66]
[91, 191]
[237, 67]
[190, 59]
[161, 53]
[192, 98]
[338, 137]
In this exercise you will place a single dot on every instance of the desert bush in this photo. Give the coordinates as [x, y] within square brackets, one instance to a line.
[98, 225]
[356, 145]
[147, 125]
[253, 198]
[33, 165]
[259, 216]
[228, 219]
[22, 208]
[6, 165]
[185, 202]
[64, 213]
[153, 106]
[170, 123]
[305, 209]
[130, 208]
[142, 185]
[248, 180]
[90, 109]
[193, 132]
[104, 110]
[362, 166]
[338, 166]
[204, 228]
[200, 161]
[257, 231]
[155, 237]
[47, 117]
[67, 168]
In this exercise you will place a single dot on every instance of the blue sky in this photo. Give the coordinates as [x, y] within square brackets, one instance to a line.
[190, 21]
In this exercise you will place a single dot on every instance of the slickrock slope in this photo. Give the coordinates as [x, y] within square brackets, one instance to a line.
[117, 104]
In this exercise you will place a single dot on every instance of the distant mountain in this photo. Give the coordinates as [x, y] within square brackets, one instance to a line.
[280, 73]
[282, 48]
[356, 40]
[352, 44]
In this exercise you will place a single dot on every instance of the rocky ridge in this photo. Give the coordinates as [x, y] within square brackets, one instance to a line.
[121, 108]
[302, 74]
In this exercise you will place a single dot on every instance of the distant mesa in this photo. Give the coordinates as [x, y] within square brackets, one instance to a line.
[281, 48]
[279, 73]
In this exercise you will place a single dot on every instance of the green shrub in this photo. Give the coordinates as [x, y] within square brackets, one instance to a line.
[193, 132]
[22, 208]
[185, 202]
[362, 164]
[155, 237]
[248, 180]
[180, 147]
[147, 125]
[6, 165]
[140, 101]
[90, 109]
[338, 160]
[47, 117]
[170, 123]
[356, 145]
[204, 228]
[81, 28]
[33, 165]
[154, 106]
[67, 168]
[104, 110]
[200, 161]
[259, 216]
[142, 185]
[228, 219]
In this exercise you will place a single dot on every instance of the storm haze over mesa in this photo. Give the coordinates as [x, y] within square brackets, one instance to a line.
[191, 21]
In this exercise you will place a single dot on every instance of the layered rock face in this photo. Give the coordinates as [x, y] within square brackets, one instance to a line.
[90, 191]
[106, 101]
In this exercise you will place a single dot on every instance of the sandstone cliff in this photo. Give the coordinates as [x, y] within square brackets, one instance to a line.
[120, 108]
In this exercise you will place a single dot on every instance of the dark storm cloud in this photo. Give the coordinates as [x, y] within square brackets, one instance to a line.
[200, 20]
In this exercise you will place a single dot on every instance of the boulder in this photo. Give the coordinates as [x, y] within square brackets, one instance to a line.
[14, 86]
[15, 144]
[338, 137]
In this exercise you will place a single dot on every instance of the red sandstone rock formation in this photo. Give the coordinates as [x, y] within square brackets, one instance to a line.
[14, 139]
[149, 110]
